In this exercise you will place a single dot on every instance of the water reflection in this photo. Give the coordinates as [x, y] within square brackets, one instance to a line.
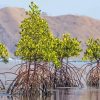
[61, 94]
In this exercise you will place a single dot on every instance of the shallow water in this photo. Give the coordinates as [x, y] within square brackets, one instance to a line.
[63, 94]
[58, 94]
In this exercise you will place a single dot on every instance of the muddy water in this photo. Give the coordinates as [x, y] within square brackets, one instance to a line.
[57, 94]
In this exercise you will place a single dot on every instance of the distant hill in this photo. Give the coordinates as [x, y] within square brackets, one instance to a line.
[10, 19]
[81, 27]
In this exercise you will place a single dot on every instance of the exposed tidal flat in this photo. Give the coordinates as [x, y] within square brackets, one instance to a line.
[60, 93]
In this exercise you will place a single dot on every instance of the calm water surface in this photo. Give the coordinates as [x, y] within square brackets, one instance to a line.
[73, 94]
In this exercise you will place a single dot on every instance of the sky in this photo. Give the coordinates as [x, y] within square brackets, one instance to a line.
[89, 8]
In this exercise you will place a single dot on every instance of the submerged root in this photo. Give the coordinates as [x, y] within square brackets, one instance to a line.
[37, 79]
[30, 81]
[68, 76]
[93, 74]
[93, 77]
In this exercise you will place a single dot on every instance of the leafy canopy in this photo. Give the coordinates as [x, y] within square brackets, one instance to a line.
[36, 43]
[93, 50]
[71, 46]
[3, 52]
[67, 46]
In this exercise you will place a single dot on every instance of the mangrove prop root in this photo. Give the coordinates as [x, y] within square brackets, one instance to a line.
[38, 78]
[92, 75]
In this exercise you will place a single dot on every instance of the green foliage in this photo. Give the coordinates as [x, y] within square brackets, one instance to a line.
[34, 25]
[58, 47]
[71, 46]
[36, 43]
[67, 47]
[3, 53]
[93, 50]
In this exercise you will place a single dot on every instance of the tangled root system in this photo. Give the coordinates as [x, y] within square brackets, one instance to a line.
[36, 78]
[92, 74]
